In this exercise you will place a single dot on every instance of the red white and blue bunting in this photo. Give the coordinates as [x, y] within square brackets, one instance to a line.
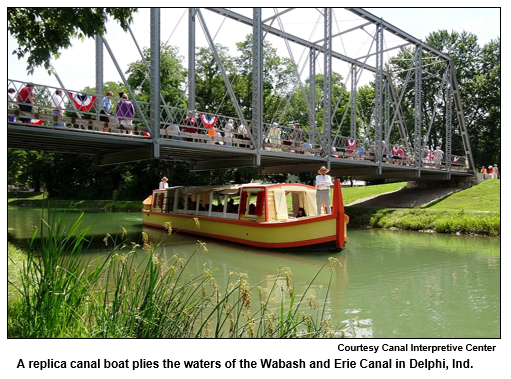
[36, 122]
[83, 102]
[395, 150]
[455, 159]
[208, 121]
[352, 142]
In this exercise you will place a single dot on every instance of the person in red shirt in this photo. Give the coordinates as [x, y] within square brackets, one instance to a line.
[191, 125]
[26, 101]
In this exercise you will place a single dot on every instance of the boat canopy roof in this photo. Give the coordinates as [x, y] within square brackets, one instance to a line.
[230, 189]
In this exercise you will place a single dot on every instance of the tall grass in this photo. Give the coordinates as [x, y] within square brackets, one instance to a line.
[134, 293]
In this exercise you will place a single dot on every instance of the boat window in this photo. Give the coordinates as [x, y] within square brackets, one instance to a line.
[168, 205]
[217, 204]
[252, 203]
[181, 200]
[232, 205]
[191, 204]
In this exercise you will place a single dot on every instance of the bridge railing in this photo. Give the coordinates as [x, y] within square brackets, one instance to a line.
[192, 126]
[82, 111]
[73, 109]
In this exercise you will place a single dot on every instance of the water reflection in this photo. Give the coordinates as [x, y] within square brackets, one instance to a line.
[388, 283]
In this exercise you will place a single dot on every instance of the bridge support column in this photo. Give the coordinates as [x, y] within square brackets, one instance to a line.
[257, 83]
[99, 73]
[327, 86]
[191, 59]
[154, 106]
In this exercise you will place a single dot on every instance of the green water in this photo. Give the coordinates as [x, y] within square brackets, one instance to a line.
[392, 284]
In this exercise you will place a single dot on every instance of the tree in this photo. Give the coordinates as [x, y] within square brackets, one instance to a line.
[478, 74]
[210, 89]
[172, 76]
[42, 32]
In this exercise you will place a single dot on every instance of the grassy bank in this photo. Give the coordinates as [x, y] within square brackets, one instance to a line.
[429, 220]
[472, 211]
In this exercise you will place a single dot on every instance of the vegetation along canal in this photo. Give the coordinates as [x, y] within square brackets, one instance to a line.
[388, 284]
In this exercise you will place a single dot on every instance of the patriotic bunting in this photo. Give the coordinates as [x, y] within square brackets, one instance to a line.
[83, 102]
[208, 121]
[352, 142]
[455, 159]
[36, 122]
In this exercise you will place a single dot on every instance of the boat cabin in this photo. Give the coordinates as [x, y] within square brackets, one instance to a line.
[247, 202]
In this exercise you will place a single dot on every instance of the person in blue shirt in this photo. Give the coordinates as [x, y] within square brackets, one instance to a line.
[106, 107]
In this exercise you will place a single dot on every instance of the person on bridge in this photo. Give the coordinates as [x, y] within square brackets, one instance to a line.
[26, 100]
[57, 104]
[106, 107]
[12, 98]
[191, 125]
[437, 158]
[297, 136]
[243, 134]
[164, 183]
[228, 129]
[483, 170]
[323, 184]
[125, 113]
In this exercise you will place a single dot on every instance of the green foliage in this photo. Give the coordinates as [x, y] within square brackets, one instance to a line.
[140, 294]
[477, 71]
[172, 76]
[427, 220]
[42, 32]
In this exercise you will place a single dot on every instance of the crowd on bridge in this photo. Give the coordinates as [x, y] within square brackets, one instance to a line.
[208, 129]
[122, 116]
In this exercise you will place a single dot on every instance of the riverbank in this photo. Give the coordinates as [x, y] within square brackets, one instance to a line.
[108, 205]
[472, 211]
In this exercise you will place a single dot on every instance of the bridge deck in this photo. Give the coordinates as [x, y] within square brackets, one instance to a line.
[204, 154]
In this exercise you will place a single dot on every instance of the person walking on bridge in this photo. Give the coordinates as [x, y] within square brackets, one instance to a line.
[57, 104]
[323, 184]
[191, 125]
[26, 100]
[125, 113]
[12, 98]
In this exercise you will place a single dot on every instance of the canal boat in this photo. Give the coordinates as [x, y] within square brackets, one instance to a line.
[253, 214]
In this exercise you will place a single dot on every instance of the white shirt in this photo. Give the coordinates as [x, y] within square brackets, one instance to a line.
[242, 130]
[57, 102]
[323, 182]
[164, 185]
[228, 130]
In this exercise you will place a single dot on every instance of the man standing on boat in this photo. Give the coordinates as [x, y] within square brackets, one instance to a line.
[163, 183]
[323, 184]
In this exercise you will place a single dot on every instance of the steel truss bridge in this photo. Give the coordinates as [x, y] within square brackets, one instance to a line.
[159, 131]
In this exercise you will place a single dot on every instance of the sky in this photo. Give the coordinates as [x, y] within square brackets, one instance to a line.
[76, 73]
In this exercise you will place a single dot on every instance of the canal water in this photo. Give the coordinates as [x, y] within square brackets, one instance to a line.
[390, 284]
